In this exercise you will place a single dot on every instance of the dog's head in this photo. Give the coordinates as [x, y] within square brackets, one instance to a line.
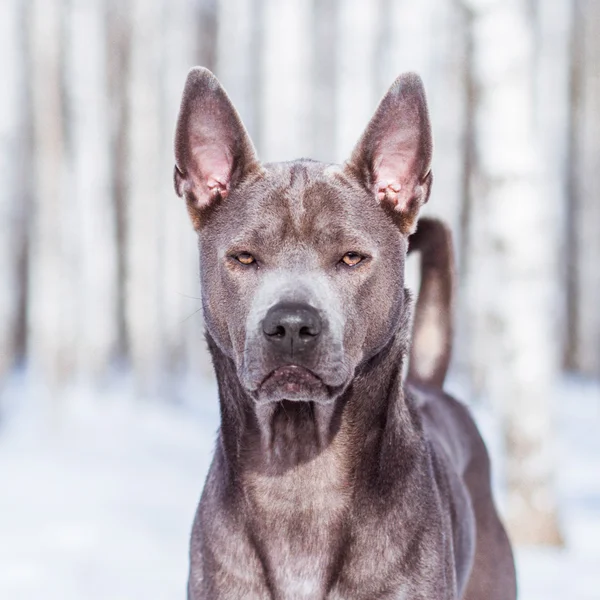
[302, 263]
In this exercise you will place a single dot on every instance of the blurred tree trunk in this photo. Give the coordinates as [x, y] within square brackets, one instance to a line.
[238, 57]
[143, 211]
[91, 206]
[285, 114]
[584, 281]
[14, 133]
[51, 316]
[514, 247]
[324, 57]
[554, 30]
[359, 26]
[448, 103]
[118, 56]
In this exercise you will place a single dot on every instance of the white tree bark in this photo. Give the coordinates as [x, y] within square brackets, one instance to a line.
[118, 25]
[585, 283]
[324, 57]
[446, 81]
[407, 44]
[238, 59]
[51, 315]
[143, 211]
[513, 270]
[285, 114]
[92, 209]
[553, 111]
[357, 93]
[13, 136]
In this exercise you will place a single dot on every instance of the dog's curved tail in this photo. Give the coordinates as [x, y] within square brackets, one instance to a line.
[433, 324]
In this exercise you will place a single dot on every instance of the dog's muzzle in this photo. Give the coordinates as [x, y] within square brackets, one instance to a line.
[294, 342]
[292, 335]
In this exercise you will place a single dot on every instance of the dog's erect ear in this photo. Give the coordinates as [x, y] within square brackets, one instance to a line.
[212, 149]
[393, 156]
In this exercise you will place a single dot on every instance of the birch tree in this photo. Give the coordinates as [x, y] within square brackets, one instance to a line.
[89, 198]
[448, 94]
[585, 229]
[238, 57]
[359, 26]
[52, 293]
[118, 57]
[554, 31]
[513, 273]
[325, 29]
[143, 210]
[285, 80]
[13, 186]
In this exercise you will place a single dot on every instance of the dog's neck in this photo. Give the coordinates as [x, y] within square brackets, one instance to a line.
[276, 438]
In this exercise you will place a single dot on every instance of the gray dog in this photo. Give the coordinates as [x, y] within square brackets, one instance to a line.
[332, 478]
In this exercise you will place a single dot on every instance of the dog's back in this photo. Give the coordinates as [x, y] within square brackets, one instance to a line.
[447, 422]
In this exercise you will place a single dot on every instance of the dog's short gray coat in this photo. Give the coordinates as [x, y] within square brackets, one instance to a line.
[332, 477]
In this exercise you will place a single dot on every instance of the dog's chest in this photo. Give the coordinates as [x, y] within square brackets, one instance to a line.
[298, 523]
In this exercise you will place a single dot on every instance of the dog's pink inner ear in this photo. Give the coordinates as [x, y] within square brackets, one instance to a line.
[208, 178]
[393, 156]
[215, 164]
[212, 149]
[399, 178]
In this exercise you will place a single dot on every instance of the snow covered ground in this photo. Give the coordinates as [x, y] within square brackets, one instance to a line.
[98, 504]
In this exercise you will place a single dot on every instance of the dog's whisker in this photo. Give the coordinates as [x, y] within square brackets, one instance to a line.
[186, 296]
[190, 316]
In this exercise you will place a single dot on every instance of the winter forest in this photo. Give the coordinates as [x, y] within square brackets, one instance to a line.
[108, 409]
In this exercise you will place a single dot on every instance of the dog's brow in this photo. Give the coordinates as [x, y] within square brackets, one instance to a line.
[259, 236]
[339, 236]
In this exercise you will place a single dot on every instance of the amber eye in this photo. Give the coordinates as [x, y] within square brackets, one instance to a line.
[245, 258]
[351, 258]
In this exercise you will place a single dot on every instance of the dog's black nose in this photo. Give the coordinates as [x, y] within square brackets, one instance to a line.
[292, 327]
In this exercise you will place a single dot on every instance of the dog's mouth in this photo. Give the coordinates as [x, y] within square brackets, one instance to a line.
[295, 383]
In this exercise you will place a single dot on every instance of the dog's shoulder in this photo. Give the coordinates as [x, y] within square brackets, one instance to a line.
[448, 423]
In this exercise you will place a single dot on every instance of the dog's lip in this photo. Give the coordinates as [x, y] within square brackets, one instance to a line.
[290, 371]
[292, 377]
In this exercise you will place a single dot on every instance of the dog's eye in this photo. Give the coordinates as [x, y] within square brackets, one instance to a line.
[245, 258]
[351, 258]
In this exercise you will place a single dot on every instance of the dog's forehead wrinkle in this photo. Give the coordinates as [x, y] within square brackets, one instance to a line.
[297, 176]
[339, 236]
[253, 236]
[295, 200]
[301, 205]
